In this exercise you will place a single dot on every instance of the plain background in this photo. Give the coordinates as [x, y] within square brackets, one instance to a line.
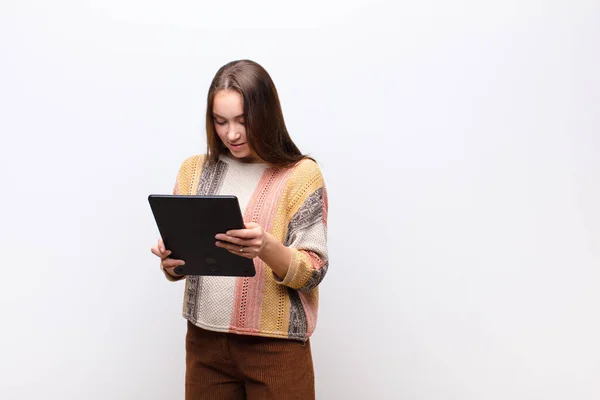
[460, 143]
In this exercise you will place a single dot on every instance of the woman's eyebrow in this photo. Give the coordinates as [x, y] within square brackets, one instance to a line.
[218, 116]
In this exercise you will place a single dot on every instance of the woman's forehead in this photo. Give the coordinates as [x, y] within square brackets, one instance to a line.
[228, 100]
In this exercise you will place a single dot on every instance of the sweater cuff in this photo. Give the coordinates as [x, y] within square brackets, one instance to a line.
[298, 272]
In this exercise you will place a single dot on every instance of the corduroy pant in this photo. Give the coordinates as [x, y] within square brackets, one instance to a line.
[230, 366]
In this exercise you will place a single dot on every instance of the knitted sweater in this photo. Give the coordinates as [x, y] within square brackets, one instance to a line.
[291, 204]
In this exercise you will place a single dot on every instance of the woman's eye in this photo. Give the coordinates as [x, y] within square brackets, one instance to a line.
[220, 122]
[243, 122]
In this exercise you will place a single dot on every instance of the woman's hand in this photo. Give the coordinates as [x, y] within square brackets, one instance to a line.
[168, 264]
[247, 242]
[255, 242]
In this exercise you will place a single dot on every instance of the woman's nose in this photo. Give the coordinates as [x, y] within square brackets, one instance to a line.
[233, 135]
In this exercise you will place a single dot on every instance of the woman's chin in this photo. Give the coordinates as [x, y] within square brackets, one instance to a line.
[242, 153]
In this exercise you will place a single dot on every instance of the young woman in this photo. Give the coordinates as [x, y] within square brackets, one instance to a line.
[248, 338]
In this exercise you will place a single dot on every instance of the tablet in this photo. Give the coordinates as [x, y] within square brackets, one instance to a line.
[188, 225]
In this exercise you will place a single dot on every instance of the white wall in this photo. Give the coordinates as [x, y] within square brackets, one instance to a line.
[460, 141]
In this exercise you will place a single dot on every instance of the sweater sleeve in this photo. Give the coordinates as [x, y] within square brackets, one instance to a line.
[307, 229]
[185, 183]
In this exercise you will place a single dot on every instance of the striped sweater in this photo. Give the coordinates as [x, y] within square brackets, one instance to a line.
[291, 204]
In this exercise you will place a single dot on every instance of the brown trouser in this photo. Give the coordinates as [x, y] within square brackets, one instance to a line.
[230, 366]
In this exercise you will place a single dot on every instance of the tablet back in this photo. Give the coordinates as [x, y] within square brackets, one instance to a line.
[188, 225]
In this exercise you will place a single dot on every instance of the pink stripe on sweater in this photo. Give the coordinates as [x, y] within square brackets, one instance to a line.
[260, 209]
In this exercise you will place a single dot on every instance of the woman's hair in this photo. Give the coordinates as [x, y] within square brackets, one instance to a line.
[266, 132]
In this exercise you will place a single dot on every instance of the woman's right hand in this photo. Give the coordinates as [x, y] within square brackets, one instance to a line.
[168, 264]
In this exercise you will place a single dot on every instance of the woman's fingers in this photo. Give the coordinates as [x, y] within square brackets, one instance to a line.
[249, 251]
[166, 262]
[237, 241]
[252, 230]
[161, 254]
[231, 239]
[156, 251]
[171, 263]
[236, 244]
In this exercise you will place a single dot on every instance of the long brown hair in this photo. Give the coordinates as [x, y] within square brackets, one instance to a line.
[266, 132]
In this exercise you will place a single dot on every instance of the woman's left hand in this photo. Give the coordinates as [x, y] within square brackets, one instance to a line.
[247, 242]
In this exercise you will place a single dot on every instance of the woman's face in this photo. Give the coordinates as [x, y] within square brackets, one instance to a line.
[229, 120]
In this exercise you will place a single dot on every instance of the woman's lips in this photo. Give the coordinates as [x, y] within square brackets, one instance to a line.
[237, 146]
